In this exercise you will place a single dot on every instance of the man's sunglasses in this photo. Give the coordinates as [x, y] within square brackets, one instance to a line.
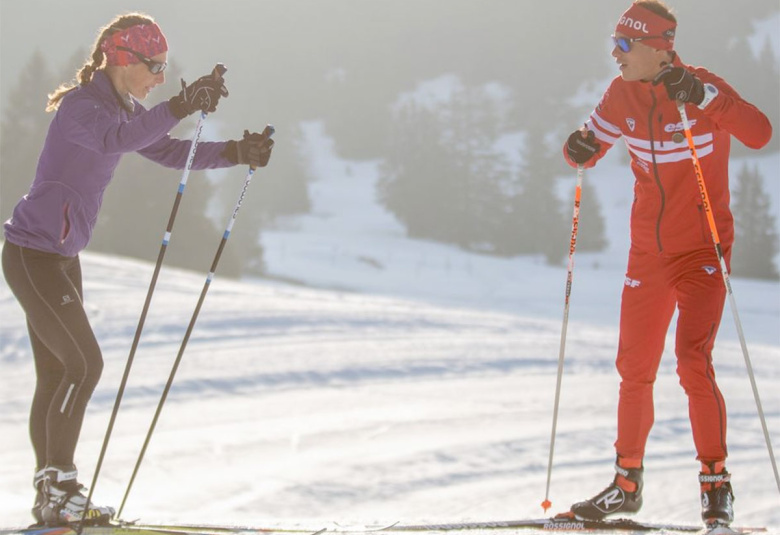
[155, 67]
[624, 43]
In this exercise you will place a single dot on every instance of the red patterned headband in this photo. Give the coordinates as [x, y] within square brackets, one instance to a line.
[146, 39]
[639, 21]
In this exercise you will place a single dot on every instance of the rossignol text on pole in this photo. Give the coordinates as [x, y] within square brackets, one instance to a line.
[269, 130]
[218, 73]
[727, 281]
[575, 223]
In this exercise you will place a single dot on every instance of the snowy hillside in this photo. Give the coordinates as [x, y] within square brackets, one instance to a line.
[419, 387]
[350, 242]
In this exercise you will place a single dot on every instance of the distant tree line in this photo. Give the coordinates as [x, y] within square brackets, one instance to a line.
[448, 178]
[447, 174]
[756, 241]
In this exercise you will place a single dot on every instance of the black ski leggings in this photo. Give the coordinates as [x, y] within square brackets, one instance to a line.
[68, 362]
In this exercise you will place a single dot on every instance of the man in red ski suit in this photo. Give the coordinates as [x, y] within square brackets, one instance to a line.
[672, 260]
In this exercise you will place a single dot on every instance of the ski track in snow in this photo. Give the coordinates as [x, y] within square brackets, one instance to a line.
[309, 405]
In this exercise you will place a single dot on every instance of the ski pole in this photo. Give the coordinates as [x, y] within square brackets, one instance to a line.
[727, 281]
[269, 130]
[218, 73]
[575, 223]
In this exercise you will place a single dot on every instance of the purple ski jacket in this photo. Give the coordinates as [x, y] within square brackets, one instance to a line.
[87, 136]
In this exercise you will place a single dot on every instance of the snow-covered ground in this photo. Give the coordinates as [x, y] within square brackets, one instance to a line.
[416, 384]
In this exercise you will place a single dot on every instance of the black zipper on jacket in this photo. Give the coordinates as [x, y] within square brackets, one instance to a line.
[655, 175]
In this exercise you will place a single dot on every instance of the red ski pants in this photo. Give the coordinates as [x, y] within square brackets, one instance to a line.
[654, 286]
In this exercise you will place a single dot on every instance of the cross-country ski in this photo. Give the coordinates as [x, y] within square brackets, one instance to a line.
[541, 525]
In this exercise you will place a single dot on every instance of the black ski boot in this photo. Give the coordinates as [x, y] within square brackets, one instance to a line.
[614, 499]
[717, 497]
[64, 503]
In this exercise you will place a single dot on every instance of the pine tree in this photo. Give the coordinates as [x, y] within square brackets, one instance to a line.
[756, 237]
[22, 132]
[537, 221]
[409, 185]
[442, 178]
[473, 121]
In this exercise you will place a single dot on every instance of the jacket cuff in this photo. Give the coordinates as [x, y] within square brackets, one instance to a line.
[710, 92]
[177, 109]
[230, 152]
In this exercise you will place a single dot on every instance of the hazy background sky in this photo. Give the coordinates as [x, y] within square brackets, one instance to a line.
[290, 52]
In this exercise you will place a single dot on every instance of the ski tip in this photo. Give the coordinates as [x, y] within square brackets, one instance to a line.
[717, 528]
[546, 504]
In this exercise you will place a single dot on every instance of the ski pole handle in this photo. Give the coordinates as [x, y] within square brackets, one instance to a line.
[219, 71]
[218, 74]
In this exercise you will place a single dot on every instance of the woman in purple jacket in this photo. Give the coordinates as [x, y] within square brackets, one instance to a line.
[97, 120]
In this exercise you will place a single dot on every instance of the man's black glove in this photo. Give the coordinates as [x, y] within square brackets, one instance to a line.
[582, 148]
[254, 150]
[201, 95]
[681, 85]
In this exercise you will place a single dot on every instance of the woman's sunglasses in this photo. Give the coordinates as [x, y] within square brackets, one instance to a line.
[155, 67]
[624, 43]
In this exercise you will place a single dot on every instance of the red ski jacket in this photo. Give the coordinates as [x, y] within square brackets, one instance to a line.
[668, 217]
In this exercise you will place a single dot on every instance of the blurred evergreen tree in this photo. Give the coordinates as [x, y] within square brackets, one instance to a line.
[446, 179]
[442, 177]
[411, 184]
[756, 239]
[472, 122]
[22, 132]
[536, 219]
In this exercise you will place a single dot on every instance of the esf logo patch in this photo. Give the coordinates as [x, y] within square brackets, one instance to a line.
[678, 127]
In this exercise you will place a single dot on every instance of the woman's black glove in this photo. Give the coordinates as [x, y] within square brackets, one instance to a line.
[582, 148]
[254, 150]
[201, 95]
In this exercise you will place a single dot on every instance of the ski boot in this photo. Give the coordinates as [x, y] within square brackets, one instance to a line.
[64, 503]
[616, 498]
[717, 497]
[39, 497]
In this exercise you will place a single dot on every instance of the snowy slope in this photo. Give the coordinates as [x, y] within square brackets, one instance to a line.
[418, 388]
